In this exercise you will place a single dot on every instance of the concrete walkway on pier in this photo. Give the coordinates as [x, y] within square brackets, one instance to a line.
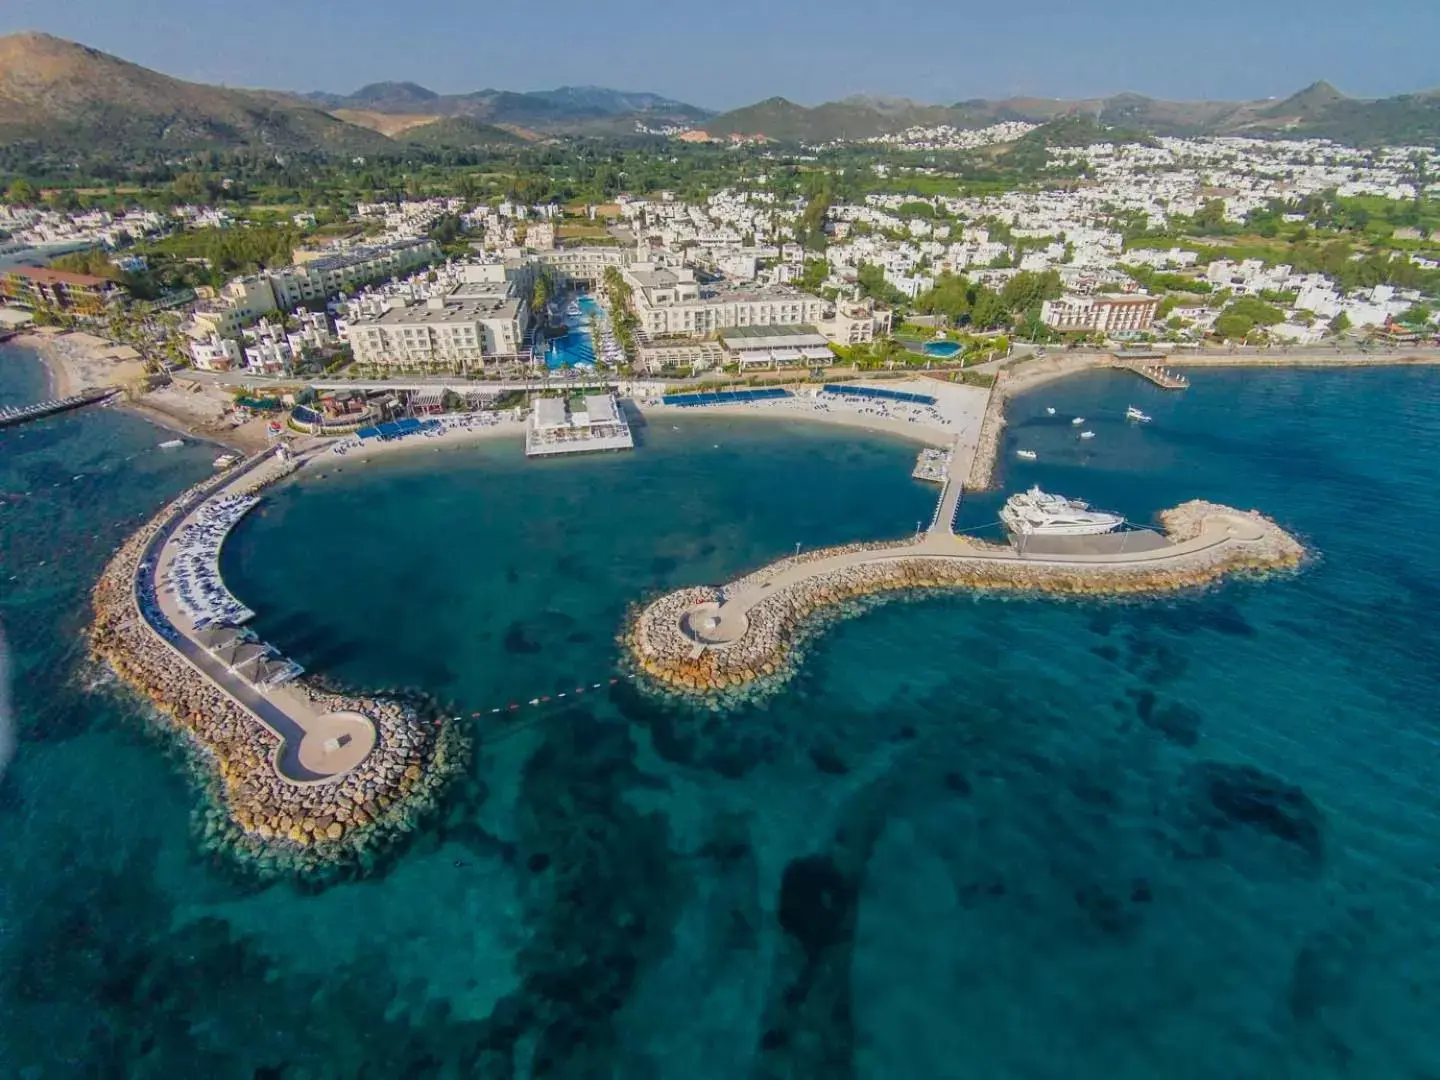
[312, 747]
[718, 626]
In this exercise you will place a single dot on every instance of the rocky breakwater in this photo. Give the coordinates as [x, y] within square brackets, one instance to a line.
[666, 641]
[274, 824]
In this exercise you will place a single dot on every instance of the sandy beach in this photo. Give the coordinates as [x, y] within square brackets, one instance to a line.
[77, 361]
[954, 422]
[456, 434]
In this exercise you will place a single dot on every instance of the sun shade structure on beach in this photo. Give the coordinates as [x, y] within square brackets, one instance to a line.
[878, 394]
[216, 638]
[727, 397]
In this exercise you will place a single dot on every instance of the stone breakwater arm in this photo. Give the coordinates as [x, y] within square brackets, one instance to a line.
[705, 641]
[303, 777]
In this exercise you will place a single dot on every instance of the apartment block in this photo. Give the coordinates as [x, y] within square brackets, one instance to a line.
[1110, 314]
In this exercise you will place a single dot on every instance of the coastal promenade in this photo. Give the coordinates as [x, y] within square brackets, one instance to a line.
[301, 776]
[311, 748]
[708, 641]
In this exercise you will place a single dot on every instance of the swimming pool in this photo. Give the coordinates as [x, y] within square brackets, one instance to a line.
[940, 348]
[576, 348]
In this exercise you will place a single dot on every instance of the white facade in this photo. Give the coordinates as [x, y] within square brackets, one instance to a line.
[459, 332]
[1106, 313]
[216, 353]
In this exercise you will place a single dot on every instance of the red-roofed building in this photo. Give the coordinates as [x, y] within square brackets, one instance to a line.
[40, 286]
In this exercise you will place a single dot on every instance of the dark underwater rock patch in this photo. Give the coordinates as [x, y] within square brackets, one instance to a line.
[1228, 797]
[828, 761]
[956, 782]
[1175, 721]
[816, 903]
[517, 639]
[1108, 913]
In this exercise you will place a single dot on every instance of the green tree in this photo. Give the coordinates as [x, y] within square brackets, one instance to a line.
[1415, 317]
[816, 271]
[987, 310]
[540, 293]
[21, 192]
[1233, 327]
[1339, 324]
[950, 297]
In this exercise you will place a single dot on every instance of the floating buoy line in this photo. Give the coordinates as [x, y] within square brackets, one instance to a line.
[542, 700]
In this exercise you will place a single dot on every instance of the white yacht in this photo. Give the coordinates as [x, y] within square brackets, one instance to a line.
[1028, 455]
[1132, 413]
[224, 461]
[1038, 513]
[171, 444]
[1050, 410]
[1078, 421]
[1087, 434]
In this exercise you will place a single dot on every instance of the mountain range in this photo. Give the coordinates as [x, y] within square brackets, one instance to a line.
[1318, 111]
[57, 94]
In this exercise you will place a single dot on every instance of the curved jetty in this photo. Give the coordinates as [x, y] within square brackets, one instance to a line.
[304, 777]
[708, 642]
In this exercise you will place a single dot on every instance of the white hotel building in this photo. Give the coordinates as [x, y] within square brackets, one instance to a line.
[1105, 312]
[460, 331]
[671, 303]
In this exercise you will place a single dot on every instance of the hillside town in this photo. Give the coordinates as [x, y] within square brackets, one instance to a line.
[1119, 252]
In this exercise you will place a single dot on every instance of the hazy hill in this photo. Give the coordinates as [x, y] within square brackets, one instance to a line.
[58, 93]
[1319, 110]
[567, 108]
[458, 133]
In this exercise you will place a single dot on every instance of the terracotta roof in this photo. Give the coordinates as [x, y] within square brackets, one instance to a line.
[48, 276]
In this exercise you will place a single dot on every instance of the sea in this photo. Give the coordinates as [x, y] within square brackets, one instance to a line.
[1188, 837]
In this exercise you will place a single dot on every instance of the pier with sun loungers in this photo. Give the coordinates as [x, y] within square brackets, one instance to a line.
[193, 573]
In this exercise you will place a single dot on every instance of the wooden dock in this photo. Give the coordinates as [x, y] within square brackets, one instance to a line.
[1160, 376]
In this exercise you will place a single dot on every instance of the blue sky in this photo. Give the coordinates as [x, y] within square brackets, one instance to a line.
[734, 52]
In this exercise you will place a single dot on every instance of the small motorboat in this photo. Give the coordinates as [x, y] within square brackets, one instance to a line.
[1078, 421]
[1087, 434]
[171, 444]
[1028, 455]
[1132, 413]
[1049, 410]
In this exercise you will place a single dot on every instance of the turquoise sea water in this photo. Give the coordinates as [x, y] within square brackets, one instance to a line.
[974, 837]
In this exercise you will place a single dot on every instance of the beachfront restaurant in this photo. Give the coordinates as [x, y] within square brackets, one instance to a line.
[556, 429]
[776, 346]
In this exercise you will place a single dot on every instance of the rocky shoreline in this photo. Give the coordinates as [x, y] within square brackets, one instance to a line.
[765, 656]
[272, 823]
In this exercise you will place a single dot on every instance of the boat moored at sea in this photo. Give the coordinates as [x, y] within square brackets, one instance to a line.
[1132, 413]
[1049, 410]
[1038, 513]
[1087, 434]
[1028, 455]
[1078, 421]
